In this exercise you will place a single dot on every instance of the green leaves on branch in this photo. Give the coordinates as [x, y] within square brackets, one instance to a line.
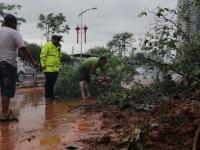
[121, 43]
[52, 24]
[167, 34]
[142, 14]
[67, 84]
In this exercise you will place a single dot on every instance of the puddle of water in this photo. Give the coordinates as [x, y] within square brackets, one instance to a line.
[50, 140]
[45, 125]
[85, 127]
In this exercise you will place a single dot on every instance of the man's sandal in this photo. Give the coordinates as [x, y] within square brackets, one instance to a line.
[8, 117]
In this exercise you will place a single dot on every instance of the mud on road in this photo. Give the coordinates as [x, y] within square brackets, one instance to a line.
[90, 125]
[63, 123]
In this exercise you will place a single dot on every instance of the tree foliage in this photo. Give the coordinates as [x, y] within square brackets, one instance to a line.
[121, 43]
[67, 85]
[99, 51]
[10, 9]
[52, 24]
[166, 35]
[65, 58]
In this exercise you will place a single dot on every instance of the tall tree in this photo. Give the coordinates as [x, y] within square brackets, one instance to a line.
[10, 9]
[121, 43]
[52, 24]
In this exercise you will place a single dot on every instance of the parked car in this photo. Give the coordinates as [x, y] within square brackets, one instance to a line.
[23, 69]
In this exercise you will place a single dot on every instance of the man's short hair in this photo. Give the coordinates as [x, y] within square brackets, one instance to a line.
[9, 19]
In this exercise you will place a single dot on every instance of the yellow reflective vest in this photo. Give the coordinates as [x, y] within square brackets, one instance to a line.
[50, 57]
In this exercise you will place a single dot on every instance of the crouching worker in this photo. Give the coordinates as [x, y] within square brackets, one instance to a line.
[88, 67]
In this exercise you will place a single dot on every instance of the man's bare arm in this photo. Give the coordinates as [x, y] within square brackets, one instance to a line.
[28, 56]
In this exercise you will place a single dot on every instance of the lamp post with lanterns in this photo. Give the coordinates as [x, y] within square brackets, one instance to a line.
[83, 28]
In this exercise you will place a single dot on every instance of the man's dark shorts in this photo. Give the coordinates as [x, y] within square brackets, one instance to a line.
[84, 74]
[8, 76]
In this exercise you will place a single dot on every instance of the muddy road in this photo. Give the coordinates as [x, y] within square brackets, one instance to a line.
[45, 125]
[60, 124]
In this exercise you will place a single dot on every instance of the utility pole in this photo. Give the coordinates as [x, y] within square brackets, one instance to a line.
[81, 28]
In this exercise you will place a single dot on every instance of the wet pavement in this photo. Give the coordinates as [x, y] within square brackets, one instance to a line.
[31, 81]
[46, 125]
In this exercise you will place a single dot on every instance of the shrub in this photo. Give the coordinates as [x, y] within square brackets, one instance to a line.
[67, 84]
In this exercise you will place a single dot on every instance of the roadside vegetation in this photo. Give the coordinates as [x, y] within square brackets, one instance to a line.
[165, 38]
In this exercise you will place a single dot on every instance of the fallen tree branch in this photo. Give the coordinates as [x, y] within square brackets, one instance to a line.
[195, 143]
[195, 95]
[171, 67]
[166, 66]
[157, 118]
[188, 90]
[152, 96]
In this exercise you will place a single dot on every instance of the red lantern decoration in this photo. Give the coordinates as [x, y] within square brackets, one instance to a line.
[85, 30]
[77, 31]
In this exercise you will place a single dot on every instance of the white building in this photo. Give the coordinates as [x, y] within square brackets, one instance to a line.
[193, 12]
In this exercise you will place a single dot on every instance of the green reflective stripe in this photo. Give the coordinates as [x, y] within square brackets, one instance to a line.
[50, 65]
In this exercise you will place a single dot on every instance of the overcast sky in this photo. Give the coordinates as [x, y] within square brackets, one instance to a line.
[111, 17]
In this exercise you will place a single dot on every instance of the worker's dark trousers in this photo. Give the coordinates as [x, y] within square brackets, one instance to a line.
[49, 84]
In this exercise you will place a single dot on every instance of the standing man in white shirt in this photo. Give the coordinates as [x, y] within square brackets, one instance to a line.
[10, 42]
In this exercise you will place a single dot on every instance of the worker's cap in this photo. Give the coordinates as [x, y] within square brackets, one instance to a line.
[57, 37]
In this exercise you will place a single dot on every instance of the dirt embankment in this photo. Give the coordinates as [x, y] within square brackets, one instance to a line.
[173, 125]
[116, 126]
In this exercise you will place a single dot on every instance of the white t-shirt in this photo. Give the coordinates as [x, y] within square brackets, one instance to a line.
[10, 42]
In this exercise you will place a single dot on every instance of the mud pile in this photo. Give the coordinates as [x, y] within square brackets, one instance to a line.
[115, 128]
[173, 125]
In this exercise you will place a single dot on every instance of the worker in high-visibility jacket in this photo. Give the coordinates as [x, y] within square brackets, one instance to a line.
[50, 58]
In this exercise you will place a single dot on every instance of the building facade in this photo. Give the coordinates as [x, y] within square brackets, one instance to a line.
[193, 24]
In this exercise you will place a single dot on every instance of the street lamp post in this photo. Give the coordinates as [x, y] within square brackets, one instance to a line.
[80, 15]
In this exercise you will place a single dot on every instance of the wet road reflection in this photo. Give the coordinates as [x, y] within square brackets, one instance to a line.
[45, 125]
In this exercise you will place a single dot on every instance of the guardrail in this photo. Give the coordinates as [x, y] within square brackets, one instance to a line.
[31, 80]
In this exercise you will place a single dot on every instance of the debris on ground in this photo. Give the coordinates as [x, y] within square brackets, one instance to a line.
[116, 126]
[172, 125]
